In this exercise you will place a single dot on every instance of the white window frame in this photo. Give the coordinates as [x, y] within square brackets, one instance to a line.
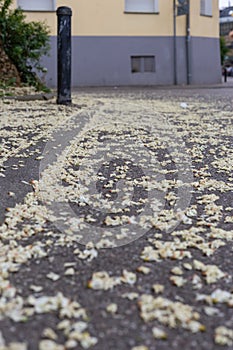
[37, 5]
[206, 8]
[141, 6]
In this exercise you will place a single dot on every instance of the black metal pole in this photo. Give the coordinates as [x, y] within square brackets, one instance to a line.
[188, 45]
[225, 74]
[64, 55]
[174, 42]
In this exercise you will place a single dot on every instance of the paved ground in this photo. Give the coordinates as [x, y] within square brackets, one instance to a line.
[117, 220]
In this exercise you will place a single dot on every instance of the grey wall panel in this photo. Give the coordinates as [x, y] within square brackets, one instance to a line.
[206, 66]
[50, 62]
[181, 60]
[105, 61]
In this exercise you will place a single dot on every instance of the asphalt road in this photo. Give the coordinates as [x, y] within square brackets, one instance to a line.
[143, 195]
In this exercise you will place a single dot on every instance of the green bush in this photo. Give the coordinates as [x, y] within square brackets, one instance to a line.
[223, 49]
[24, 42]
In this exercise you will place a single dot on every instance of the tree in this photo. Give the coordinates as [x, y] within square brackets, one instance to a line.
[24, 42]
[223, 49]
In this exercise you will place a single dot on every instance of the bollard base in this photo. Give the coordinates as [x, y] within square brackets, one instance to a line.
[64, 101]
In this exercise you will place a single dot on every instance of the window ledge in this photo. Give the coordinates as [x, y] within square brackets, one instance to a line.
[210, 16]
[140, 13]
[49, 11]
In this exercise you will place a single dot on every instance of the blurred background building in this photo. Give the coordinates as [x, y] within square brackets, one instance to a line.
[226, 31]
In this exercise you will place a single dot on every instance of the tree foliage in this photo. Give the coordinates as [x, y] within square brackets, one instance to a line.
[223, 49]
[24, 42]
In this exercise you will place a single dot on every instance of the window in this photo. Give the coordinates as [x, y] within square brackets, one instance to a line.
[142, 64]
[35, 5]
[135, 64]
[142, 6]
[206, 8]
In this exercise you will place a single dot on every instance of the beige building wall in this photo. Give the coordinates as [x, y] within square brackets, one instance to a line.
[107, 18]
[203, 25]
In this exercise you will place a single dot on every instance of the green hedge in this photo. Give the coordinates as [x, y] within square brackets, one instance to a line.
[24, 42]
